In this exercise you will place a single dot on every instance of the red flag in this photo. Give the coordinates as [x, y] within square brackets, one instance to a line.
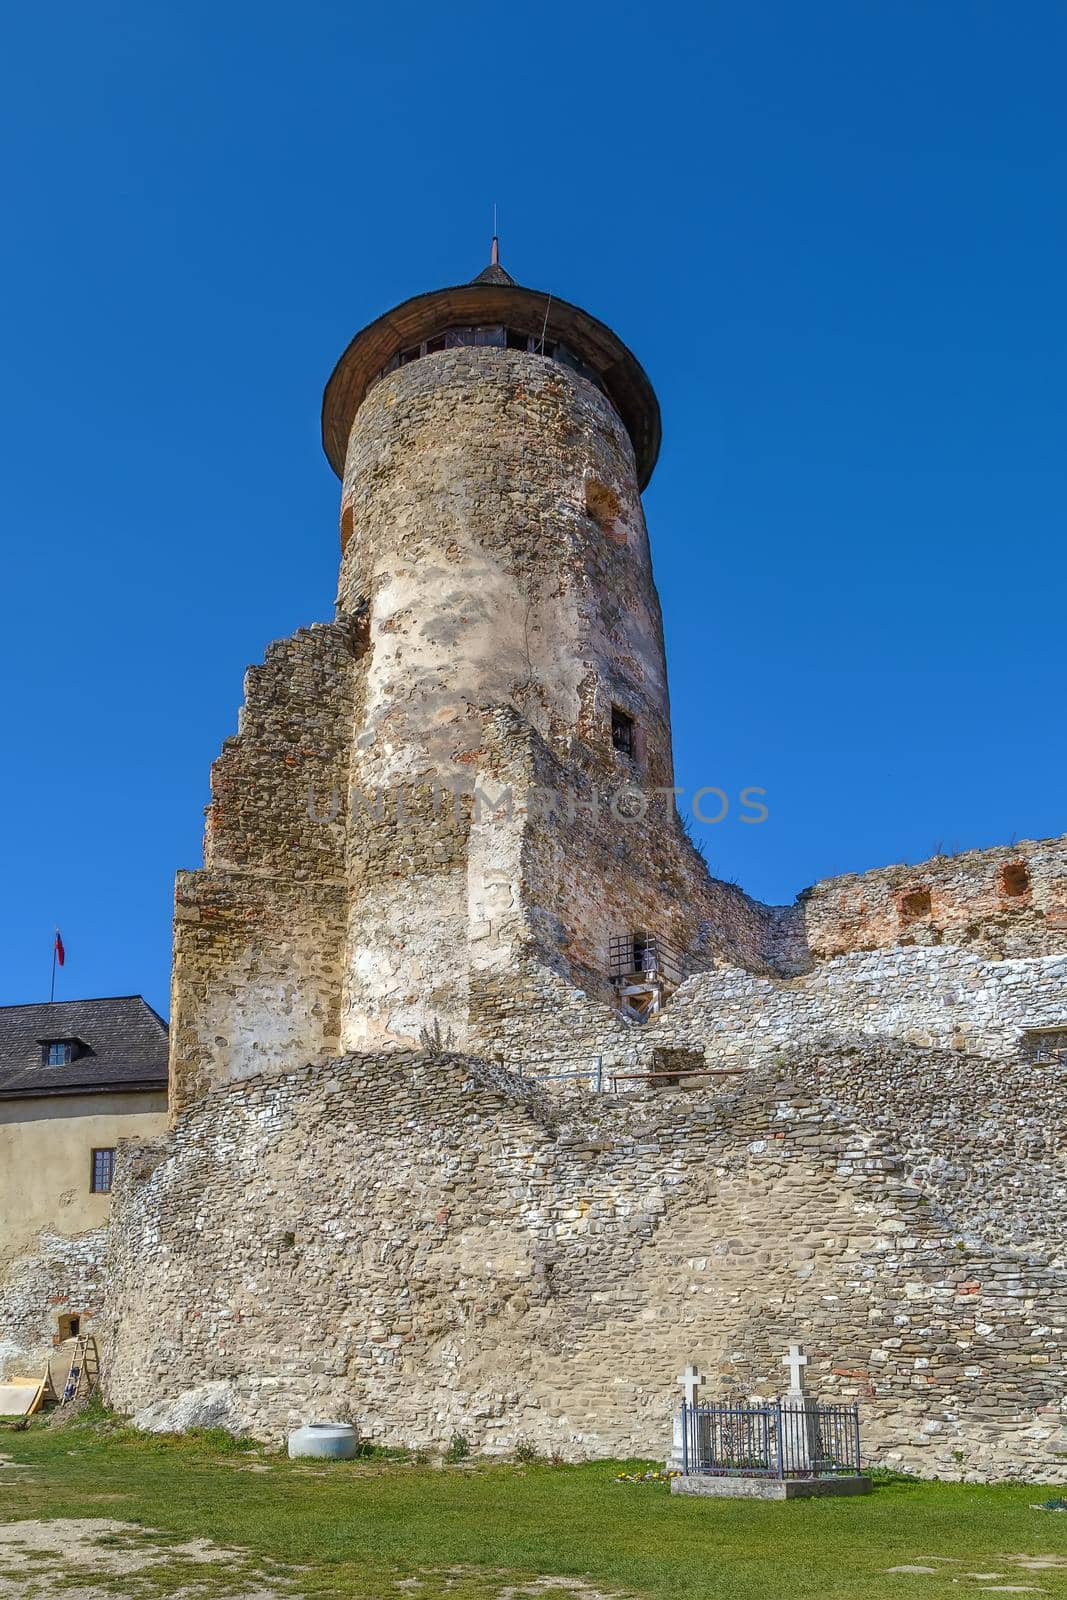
[60, 952]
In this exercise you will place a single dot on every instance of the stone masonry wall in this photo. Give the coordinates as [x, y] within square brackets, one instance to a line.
[425, 1242]
[490, 572]
[63, 1274]
[259, 931]
[981, 1138]
[1006, 902]
[925, 995]
[590, 861]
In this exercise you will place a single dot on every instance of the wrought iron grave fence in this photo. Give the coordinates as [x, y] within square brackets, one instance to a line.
[773, 1439]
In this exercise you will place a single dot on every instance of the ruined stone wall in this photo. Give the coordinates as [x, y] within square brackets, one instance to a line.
[982, 1138]
[608, 859]
[259, 931]
[925, 995]
[1004, 902]
[555, 872]
[53, 1229]
[495, 922]
[59, 1275]
[406, 939]
[457, 1254]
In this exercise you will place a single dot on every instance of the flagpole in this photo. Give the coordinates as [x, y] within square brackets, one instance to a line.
[52, 994]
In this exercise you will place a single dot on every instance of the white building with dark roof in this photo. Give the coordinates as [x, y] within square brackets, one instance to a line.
[76, 1078]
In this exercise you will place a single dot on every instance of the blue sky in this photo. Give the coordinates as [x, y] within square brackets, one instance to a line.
[834, 234]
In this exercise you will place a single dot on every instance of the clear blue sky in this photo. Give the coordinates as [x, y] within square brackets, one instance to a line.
[834, 234]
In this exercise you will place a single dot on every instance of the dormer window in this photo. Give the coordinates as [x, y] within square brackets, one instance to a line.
[60, 1052]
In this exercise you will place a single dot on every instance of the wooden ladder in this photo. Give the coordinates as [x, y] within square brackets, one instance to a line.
[84, 1371]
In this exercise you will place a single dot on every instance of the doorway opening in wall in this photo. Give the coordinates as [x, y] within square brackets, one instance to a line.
[1046, 1046]
[645, 970]
[70, 1326]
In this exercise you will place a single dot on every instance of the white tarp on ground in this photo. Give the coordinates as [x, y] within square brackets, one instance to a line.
[17, 1396]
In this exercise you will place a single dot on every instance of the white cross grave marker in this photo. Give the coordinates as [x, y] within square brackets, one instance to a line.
[690, 1381]
[796, 1361]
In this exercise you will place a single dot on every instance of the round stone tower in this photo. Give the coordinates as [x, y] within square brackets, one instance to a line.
[447, 814]
[493, 443]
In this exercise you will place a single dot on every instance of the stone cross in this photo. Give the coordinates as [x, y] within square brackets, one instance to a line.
[796, 1361]
[690, 1381]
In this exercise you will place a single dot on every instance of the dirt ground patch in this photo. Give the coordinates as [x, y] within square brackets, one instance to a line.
[1001, 1578]
[45, 1558]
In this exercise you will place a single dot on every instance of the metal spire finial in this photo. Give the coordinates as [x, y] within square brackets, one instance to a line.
[494, 272]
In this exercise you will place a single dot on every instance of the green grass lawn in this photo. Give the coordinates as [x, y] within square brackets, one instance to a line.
[472, 1529]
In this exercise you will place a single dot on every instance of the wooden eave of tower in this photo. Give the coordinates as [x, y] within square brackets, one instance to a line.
[484, 302]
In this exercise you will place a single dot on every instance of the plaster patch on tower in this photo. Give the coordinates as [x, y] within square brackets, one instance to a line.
[602, 504]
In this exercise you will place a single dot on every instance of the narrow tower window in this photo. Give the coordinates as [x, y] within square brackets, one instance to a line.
[622, 731]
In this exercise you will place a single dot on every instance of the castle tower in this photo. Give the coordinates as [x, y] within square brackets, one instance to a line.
[449, 809]
[492, 445]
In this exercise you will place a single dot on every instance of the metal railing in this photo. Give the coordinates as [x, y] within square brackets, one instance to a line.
[593, 1074]
[606, 1080]
[771, 1440]
[644, 954]
[1046, 1046]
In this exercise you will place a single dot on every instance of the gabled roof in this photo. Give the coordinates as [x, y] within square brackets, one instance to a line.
[124, 1047]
